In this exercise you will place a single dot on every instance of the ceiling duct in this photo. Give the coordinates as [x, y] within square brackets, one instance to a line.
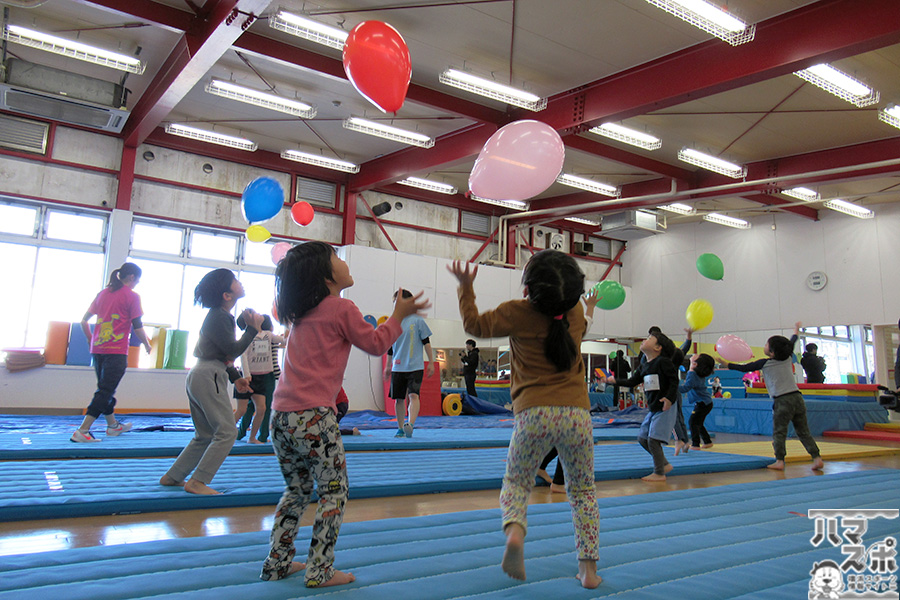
[633, 224]
[40, 91]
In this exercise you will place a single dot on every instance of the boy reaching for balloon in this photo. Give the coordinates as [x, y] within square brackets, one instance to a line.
[787, 401]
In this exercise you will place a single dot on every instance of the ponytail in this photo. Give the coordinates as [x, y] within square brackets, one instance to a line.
[117, 277]
[555, 284]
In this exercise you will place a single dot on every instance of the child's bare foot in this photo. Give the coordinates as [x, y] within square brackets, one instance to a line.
[356, 431]
[192, 486]
[543, 474]
[557, 489]
[654, 477]
[678, 447]
[339, 578]
[166, 480]
[668, 468]
[706, 446]
[296, 566]
[514, 556]
[778, 465]
[818, 464]
[587, 574]
[254, 441]
[696, 447]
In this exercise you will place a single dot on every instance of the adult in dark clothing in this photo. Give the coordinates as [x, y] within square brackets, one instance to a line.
[620, 370]
[470, 363]
[813, 364]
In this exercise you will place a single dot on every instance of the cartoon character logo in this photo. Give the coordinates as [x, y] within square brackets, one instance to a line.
[106, 332]
[826, 580]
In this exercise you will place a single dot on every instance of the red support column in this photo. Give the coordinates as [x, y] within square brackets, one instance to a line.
[348, 226]
[126, 178]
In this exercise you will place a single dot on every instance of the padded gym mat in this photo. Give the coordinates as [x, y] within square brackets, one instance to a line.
[73, 488]
[893, 426]
[881, 436]
[735, 542]
[148, 444]
[797, 453]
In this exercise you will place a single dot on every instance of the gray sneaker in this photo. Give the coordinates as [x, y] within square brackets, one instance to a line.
[83, 437]
[119, 429]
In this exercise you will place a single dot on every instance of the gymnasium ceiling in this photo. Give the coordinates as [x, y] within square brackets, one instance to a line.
[596, 60]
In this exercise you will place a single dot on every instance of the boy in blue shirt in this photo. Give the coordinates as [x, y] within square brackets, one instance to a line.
[787, 401]
[406, 368]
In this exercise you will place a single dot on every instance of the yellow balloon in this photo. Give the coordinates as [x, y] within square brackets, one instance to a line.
[699, 314]
[258, 233]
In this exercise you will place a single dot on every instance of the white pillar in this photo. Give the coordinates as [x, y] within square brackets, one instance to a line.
[118, 239]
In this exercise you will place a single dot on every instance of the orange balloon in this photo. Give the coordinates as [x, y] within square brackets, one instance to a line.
[302, 213]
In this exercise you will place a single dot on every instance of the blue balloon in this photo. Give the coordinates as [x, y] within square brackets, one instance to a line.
[262, 199]
[371, 320]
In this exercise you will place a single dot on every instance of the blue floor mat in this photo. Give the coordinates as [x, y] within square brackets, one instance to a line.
[148, 444]
[736, 542]
[72, 488]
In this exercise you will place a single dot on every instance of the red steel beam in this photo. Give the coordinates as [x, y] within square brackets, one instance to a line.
[194, 55]
[626, 158]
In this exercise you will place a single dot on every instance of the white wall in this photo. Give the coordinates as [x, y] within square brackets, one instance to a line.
[764, 289]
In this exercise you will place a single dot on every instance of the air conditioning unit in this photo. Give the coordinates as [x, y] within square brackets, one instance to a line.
[40, 91]
[633, 224]
[584, 248]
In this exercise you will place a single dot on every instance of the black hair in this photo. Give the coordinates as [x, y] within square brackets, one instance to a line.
[653, 330]
[117, 278]
[266, 323]
[811, 347]
[677, 358]
[301, 280]
[620, 354]
[706, 364]
[208, 292]
[555, 284]
[667, 346]
[780, 347]
[405, 293]
[472, 342]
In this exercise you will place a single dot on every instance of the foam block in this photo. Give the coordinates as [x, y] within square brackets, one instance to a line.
[57, 342]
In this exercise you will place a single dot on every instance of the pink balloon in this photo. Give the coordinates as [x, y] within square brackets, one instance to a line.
[279, 250]
[733, 349]
[518, 162]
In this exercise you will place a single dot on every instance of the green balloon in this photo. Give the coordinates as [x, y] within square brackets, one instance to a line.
[611, 294]
[710, 266]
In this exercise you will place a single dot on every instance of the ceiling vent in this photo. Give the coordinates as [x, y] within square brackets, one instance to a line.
[50, 93]
[633, 224]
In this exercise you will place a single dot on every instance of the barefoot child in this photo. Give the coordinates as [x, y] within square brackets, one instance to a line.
[787, 401]
[207, 391]
[259, 368]
[549, 397]
[323, 327]
[697, 393]
[660, 385]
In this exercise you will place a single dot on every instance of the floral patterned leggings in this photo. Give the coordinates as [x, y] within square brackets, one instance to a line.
[569, 429]
[309, 448]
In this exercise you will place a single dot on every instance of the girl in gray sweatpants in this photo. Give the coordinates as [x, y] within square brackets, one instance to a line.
[207, 383]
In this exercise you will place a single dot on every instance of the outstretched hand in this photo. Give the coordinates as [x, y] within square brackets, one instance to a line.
[403, 307]
[591, 298]
[797, 326]
[461, 273]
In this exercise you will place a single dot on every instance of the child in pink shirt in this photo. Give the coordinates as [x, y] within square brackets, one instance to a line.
[305, 432]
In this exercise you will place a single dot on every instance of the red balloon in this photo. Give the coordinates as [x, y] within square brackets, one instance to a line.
[377, 63]
[302, 213]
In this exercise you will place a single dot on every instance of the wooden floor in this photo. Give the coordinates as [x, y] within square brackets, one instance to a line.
[21, 537]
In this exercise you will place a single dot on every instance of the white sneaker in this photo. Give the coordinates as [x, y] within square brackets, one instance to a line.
[119, 429]
[407, 430]
[82, 437]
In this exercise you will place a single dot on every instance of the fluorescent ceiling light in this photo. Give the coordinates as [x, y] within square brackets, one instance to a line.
[848, 208]
[840, 84]
[890, 115]
[72, 49]
[309, 29]
[726, 220]
[590, 185]
[513, 204]
[583, 221]
[629, 136]
[388, 132]
[492, 89]
[710, 18]
[678, 207]
[425, 184]
[226, 89]
[212, 137]
[320, 161]
[802, 193]
[712, 163]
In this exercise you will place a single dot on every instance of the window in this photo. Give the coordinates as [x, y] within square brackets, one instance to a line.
[156, 238]
[213, 246]
[53, 260]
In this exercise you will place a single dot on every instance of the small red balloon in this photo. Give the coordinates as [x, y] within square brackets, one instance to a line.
[377, 63]
[302, 213]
